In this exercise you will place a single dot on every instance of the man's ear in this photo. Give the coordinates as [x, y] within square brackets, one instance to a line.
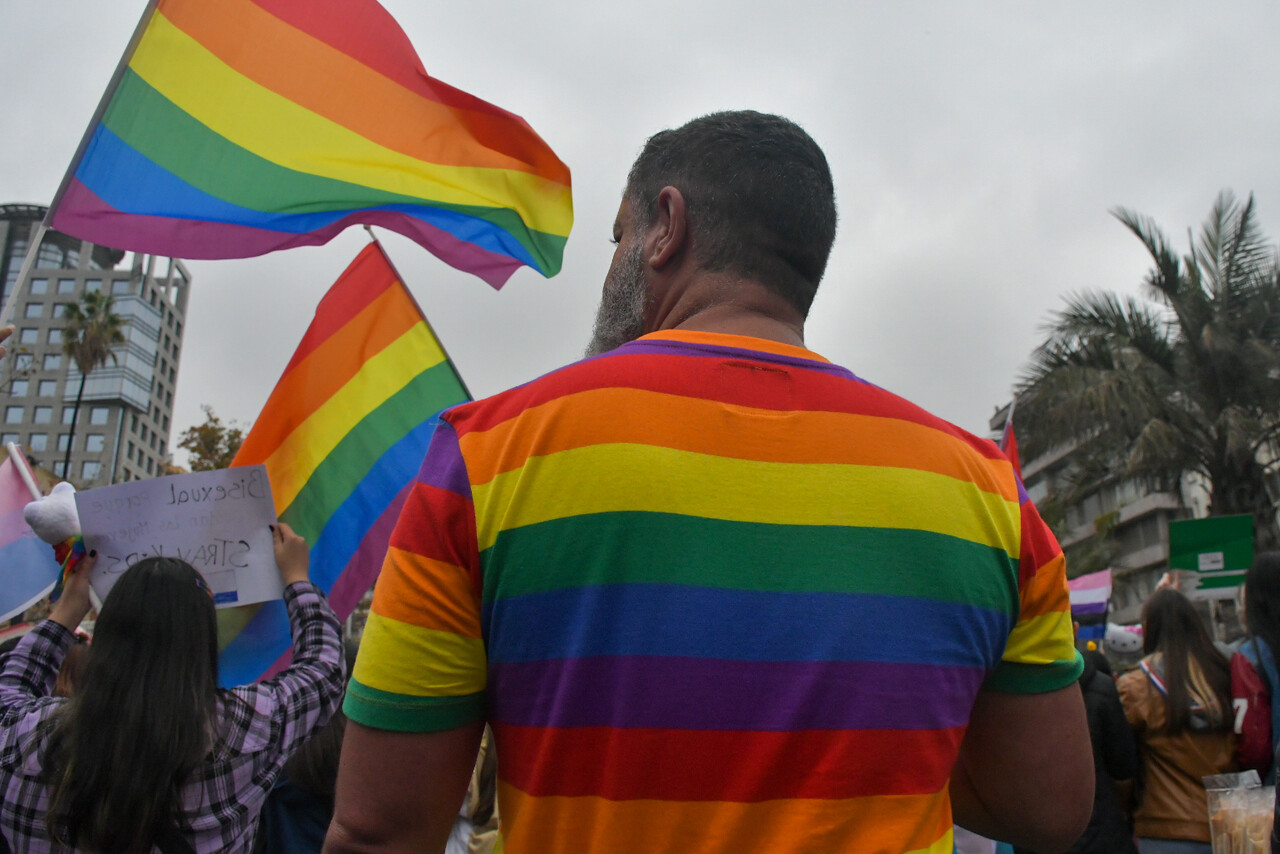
[669, 235]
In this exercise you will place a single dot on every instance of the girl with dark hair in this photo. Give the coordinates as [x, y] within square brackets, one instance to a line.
[1254, 675]
[1178, 703]
[150, 755]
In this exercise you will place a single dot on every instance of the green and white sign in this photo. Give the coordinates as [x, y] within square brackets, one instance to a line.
[1214, 553]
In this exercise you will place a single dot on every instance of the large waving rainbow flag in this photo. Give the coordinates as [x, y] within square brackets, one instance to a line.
[237, 127]
[342, 437]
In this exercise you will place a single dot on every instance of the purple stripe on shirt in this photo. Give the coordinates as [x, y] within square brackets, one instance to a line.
[698, 693]
[663, 346]
[443, 466]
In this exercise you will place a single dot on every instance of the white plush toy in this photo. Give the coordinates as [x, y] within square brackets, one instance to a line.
[55, 520]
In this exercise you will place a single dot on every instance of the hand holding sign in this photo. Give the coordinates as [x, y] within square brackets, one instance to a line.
[217, 521]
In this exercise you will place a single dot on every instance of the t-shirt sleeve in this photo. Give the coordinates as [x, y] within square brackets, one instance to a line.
[421, 666]
[1040, 655]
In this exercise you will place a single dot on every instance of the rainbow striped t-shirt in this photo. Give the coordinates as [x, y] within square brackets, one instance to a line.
[713, 594]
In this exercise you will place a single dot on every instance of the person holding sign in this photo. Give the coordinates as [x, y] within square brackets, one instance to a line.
[151, 754]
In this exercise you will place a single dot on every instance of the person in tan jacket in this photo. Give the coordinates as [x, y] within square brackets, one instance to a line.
[1178, 702]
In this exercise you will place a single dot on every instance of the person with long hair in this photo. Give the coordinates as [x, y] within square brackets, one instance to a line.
[150, 755]
[1178, 702]
[1254, 674]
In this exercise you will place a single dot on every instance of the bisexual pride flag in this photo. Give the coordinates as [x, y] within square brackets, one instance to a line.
[28, 569]
[1090, 597]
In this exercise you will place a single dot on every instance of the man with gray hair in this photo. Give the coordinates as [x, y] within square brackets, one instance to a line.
[712, 592]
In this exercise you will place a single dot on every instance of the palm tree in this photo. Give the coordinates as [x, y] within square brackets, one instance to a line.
[1186, 381]
[91, 330]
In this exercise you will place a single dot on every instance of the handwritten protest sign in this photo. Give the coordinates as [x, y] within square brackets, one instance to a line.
[216, 521]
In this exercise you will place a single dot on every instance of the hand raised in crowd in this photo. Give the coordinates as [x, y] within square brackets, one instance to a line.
[292, 555]
[73, 606]
[5, 333]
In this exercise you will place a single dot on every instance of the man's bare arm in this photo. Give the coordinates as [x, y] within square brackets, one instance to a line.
[1025, 772]
[400, 792]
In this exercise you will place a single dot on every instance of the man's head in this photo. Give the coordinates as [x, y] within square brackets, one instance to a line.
[758, 204]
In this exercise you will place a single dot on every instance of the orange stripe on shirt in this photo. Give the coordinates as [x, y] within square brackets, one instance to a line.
[428, 593]
[559, 825]
[715, 428]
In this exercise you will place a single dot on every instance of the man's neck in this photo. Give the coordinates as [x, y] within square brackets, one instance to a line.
[737, 308]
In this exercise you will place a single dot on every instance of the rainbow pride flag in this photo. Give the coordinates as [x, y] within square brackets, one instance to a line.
[237, 127]
[342, 437]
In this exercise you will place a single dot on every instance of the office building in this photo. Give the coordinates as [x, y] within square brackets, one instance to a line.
[123, 428]
[1132, 516]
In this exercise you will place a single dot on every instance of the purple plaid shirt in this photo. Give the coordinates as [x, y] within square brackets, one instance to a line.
[261, 725]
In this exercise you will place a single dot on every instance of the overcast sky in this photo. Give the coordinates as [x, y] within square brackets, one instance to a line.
[977, 148]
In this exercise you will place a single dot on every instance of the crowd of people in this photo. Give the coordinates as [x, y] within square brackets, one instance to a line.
[1190, 709]
[703, 591]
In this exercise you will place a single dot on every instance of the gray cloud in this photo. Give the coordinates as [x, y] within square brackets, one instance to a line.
[977, 148]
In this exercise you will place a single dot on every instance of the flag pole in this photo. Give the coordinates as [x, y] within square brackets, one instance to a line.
[28, 262]
[114, 83]
[20, 463]
[425, 319]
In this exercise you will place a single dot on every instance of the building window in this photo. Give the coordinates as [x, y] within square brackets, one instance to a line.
[23, 362]
[59, 466]
[55, 336]
[60, 309]
[90, 469]
[52, 361]
[98, 415]
[94, 442]
[93, 286]
[6, 438]
[64, 440]
[29, 336]
[128, 455]
[13, 414]
[168, 398]
[48, 388]
[34, 309]
[165, 420]
[39, 286]
[120, 287]
[39, 441]
[66, 286]
[68, 414]
[43, 415]
[18, 388]
[150, 466]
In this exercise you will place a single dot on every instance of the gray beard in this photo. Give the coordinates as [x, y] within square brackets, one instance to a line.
[620, 317]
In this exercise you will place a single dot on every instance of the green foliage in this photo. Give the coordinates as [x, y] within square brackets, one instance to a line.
[211, 445]
[1186, 380]
[91, 330]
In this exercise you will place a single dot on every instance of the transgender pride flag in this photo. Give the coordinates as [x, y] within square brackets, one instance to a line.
[28, 569]
[1090, 595]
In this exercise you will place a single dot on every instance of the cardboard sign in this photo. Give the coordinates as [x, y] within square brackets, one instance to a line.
[216, 521]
